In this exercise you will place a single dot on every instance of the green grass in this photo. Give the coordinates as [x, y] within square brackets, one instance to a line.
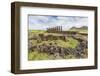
[37, 56]
[37, 31]
[44, 56]
[79, 31]
[70, 42]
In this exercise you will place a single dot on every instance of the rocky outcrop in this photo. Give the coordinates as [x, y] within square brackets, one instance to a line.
[57, 51]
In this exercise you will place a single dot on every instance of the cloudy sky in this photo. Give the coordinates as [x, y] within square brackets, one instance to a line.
[43, 22]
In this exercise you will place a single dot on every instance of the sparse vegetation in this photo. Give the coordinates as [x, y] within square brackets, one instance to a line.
[69, 42]
[37, 56]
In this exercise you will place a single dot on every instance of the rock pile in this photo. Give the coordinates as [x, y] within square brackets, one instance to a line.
[57, 51]
[43, 37]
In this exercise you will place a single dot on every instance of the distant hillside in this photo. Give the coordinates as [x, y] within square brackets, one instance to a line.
[80, 28]
[83, 29]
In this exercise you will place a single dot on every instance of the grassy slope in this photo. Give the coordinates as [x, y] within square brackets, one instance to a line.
[83, 29]
[70, 42]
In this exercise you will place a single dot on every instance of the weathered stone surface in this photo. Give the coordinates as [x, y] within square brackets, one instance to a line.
[53, 49]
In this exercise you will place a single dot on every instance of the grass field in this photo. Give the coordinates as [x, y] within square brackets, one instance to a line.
[35, 55]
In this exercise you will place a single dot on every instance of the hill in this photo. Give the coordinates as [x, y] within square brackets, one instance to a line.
[83, 29]
[80, 28]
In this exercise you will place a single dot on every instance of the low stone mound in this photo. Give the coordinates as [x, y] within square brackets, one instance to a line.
[55, 50]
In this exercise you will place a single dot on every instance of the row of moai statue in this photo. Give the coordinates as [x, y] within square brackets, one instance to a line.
[54, 29]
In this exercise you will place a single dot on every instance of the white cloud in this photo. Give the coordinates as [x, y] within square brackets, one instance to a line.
[42, 22]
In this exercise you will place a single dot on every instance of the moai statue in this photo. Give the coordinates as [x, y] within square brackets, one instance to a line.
[61, 28]
[58, 29]
[47, 30]
[53, 30]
